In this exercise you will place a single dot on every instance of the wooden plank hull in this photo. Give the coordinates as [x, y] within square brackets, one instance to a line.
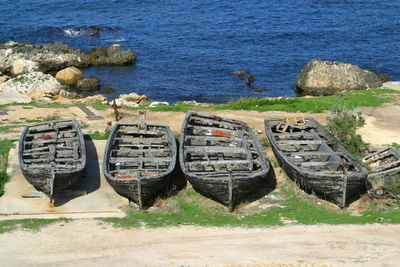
[139, 163]
[52, 155]
[222, 158]
[343, 178]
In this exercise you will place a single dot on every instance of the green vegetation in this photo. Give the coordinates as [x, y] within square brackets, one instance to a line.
[352, 99]
[343, 124]
[28, 224]
[190, 208]
[98, 135]
[84, 125]
[98, 105]
[5, 146]
[264, 142]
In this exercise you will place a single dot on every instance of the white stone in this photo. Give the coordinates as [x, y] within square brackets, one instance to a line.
[391, 85]
[13, 97]
[30, 83]
[156, 104]
[21, 66]
[131, 104]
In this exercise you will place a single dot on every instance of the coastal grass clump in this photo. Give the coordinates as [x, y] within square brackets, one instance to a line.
[5, 146]
[98, 135]
[353, 99]
[26, 224]
[190, 208]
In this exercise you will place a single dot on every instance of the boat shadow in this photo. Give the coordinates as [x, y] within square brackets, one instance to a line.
[264, 188]
[89, 182]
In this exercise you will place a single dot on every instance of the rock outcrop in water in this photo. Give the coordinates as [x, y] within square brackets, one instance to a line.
[17, 58]
[320, 77]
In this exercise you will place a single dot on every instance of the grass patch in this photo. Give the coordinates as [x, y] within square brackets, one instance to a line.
[352, 99]
[84, 125]
[98, 135]
[5, 146]
[97, 104]
[27, 224]
[194, 209]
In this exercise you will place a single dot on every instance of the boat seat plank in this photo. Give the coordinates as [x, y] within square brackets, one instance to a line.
[138, 160]
[219, 162]
[313, 153]
[42, 128]
[220, 124]
[214, 149]
[320, 163]
[58, 140]
[299, 142]
[140, 150]
[206, 128]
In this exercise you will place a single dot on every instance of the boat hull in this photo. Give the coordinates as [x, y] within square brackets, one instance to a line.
[50, 180]
[336, 187]
[229, 188]
[144, 189]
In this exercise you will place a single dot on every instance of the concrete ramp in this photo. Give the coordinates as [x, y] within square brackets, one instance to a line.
[91, 197]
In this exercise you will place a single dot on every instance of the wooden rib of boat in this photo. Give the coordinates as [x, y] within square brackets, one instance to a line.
[139, 159]
[222, 158]
[52, 155]
[314, 159]
[384, 169]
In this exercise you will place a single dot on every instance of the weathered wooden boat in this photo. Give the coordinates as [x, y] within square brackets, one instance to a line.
[384, 169]
[314, 159]
[139, 160]
[52, 155]
[222, 158]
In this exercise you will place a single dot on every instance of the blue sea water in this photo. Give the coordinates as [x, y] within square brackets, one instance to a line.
[187, 50]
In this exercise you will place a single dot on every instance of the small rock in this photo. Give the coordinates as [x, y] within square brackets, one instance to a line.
[156, 104]
[69, 76]
[142, 99]
[391, 85]
[239, 73]
[92, 83]
[258, 89]
[4, 78]
[131, 104]
[249, 79]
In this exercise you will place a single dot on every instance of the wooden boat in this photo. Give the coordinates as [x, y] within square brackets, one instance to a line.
[222, 158]
[52, 155]
[313, 158]
[139, 159]
[384, 169]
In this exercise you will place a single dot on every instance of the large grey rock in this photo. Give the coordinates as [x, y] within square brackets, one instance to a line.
[57, 56]
[112, 55]
[320, 77]
[33, 82]
[13, 97]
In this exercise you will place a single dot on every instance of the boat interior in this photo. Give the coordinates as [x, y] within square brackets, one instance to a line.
[139, 151]
[219, 146]
[54, 145]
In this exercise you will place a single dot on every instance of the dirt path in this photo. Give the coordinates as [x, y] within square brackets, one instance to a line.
[90, 242]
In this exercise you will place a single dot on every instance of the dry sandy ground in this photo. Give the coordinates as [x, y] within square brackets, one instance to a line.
[90, 242]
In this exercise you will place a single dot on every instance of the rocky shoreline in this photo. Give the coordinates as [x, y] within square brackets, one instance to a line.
[51, 71]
